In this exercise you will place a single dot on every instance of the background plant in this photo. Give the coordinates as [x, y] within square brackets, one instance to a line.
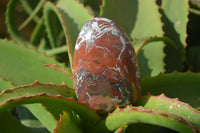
[159, 31]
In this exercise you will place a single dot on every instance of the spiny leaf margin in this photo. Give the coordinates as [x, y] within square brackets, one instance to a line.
[71, 21]
[67, 124]
[173, 85]
[82, 110]
[24, 65]
[131, 115]
[171, 105]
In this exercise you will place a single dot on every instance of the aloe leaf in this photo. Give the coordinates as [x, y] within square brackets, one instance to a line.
[76, 11]
[175, 26]
[140, 43]
[139, 23]
[122, 129]
[17, 126]
[83, 111]
[148, 23]
[195, 3]
[22, 65]
[55, 51]
[194, 11]
[60, 69]
[43, 115]
[66, 124]
[72, 15]
[185, 86]
[42, 44]
[50, 22]
[39, 111]
[10, 21]
[132, 115]
[32, 15]
[28, 9]
[173, 106]
[27, 118]
[9, 121]
[38, 31]
[53, 97]
[4, 84]
[36, 88]
[123, 13]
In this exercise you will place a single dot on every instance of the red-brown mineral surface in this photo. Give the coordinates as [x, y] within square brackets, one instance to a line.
[105, 66]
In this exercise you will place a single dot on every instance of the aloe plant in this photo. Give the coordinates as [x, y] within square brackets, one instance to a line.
[37, 92]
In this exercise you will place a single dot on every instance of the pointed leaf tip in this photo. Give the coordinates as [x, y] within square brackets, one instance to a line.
[67, 123]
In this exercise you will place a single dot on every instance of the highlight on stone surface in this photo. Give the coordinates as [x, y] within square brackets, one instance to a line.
[105, 67]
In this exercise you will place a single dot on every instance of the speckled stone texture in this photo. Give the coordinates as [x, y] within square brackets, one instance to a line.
[105, 66]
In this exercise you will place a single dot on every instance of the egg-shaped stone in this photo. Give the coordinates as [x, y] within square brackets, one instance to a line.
[105, 67]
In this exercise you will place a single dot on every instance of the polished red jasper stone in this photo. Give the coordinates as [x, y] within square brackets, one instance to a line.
[105, 66]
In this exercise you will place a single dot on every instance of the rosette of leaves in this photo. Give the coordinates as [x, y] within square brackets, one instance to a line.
[37, 92]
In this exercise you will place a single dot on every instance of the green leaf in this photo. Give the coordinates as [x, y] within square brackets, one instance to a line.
[54, 98]
[123, 13]
[27, 118]
[122, 129]
[195, 3]
[10, 22]
[148, 23]
[139, 23]
[175, 20]
[37, 32]
[43, 115]
[185, 86]
[67, 124]
[39, 111]
[50, 12]
[9, 124]
[11, 121]
[72, 16]
[139, 44]
[53, 52]
[132, 115]
[35, 89]
[170, 105]
[4, 84]
[194, 11]
[28, 9]
[22, 65]
[32, 15]
[60, 69]
[59, 102]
